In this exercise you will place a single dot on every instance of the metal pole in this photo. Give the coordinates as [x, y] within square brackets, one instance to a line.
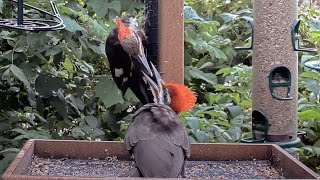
[151, 27]
[20, 12]
[275, 68]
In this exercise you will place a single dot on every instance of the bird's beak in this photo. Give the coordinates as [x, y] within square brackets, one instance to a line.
[155, 89]
[155, 84]
[144, 66]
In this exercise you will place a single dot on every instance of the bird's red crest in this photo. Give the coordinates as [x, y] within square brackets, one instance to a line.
[122, 29]
[182, 98]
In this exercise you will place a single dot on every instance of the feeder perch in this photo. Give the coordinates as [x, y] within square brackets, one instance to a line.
[260, 126]
[296, 39]
[249, 154]
[252, 31]
[296, 46]
[280, 77]
[34, 24]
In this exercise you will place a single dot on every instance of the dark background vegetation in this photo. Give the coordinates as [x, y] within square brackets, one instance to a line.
[57, 85]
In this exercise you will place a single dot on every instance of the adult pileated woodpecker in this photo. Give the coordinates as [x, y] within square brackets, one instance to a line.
[125, 52]
[157, 138]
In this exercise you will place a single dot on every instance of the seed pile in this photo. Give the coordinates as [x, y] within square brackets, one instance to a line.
[112, 167]
[232, 170]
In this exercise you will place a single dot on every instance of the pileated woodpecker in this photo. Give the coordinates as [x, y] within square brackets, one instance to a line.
[157, 138]
[125, 52]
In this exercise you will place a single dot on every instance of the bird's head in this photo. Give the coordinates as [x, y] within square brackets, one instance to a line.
[178, 96]
[123, 30]
[130, 21]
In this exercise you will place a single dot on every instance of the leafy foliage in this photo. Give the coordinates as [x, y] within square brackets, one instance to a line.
[53, 84]
[57, 85]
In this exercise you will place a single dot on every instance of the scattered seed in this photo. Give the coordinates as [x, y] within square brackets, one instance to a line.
[113, 167]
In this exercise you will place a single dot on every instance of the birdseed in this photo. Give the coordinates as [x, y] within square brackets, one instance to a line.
[113, 167]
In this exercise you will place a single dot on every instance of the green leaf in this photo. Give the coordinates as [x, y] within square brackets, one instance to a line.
[77, 132]
[92, 121]
[102, 7]
[45, 85]
[201, 136]
[30, 70]
[72, 25]
[131, 96]
[69, 65]
[10, 150]
[305, 58]
[309, 113]
[309, 74]
[317, 143]
[229, 17]
[198, 74]
[60, 104]
[215, 113]
[20, 75]
[190, 13]
[225, 71]
[313, 85]
[1, 6]
[98, 132]
[108, 92]
[22, 136]
[129, 4]
[215, 52]
[193, 122]
[18, 130]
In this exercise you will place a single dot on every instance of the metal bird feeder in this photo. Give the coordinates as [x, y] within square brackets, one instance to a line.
[275, 43]
[20, 23]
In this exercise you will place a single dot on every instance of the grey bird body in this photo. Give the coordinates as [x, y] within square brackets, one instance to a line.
[158, 141]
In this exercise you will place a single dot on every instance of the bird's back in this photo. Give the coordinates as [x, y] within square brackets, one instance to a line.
[158, 140]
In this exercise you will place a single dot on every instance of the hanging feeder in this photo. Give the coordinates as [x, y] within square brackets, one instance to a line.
[19, 23]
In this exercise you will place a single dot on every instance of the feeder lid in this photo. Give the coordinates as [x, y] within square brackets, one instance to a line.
[313, 64]
[56, 23]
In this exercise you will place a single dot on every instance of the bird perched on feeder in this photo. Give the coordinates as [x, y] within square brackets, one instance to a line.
[125, 52]
[157, 138]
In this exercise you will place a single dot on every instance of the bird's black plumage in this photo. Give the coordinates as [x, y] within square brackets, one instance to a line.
[125, 72]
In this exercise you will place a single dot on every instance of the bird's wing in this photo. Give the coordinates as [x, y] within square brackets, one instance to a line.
[156, 138]
[123, 71]
[119, 61]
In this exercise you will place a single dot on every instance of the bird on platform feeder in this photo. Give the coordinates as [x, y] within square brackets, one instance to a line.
[157, 139]
[127, 60]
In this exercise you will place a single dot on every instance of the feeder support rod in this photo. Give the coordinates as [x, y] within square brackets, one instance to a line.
[20, 12]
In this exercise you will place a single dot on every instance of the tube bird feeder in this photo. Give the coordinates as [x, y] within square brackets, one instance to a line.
[275, 72]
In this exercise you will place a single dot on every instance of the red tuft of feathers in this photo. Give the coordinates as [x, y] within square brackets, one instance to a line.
[182, 98]
[122, 29]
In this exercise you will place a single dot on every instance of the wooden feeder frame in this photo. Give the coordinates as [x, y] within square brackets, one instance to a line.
[79, 149]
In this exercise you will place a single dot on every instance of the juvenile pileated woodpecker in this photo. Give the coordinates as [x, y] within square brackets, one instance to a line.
[127, 60]
[157, 138]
